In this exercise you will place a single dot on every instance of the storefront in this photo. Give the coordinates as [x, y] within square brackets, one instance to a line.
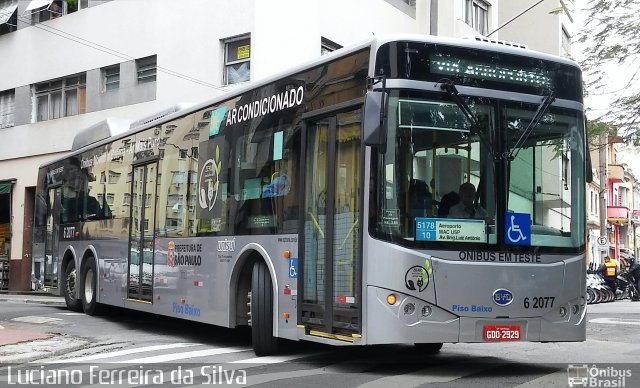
[6, 189]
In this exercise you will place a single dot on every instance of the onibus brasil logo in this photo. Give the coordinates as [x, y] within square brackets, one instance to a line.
[209, 181]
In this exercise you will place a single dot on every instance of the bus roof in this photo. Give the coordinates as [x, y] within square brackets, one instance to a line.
[374, 43]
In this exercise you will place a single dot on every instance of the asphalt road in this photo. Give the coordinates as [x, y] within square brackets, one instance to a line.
[171, 347]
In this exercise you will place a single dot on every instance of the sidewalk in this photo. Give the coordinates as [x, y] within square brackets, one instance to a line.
[11, 336]
[36, 297]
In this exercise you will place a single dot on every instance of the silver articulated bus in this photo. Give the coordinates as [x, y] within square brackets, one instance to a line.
[411, 189]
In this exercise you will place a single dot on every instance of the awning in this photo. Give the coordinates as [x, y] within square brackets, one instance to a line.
[5, 187]
[7, 9]
[35, 5]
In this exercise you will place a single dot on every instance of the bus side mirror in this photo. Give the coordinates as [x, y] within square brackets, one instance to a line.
[374, 130]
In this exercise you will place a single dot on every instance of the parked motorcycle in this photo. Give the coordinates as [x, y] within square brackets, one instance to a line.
[597, 290]
[629, 282]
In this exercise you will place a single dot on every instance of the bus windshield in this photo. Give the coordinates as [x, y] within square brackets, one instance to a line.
[441, 182]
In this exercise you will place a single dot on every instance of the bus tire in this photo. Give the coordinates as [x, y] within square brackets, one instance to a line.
[432, 348]
[262, 338]
[88, 285]
[69, 287]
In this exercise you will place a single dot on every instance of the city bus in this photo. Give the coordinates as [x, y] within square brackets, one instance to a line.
[407, 190]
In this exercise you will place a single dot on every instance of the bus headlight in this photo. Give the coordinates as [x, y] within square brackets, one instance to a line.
[563, 311]
[426, 311]
[409, 308]
[391, 299]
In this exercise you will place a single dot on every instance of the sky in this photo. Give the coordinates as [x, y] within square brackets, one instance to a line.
[617, 77]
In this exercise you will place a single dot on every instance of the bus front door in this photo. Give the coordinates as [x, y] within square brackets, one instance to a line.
[51, 256]
[141, 232]
[331, 241]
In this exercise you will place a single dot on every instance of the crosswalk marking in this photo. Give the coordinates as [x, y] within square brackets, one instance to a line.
[435, 374]
[183, 355]
[269, 359]
[616, 321]
[119, 353]
[556, 379]
[37, 319]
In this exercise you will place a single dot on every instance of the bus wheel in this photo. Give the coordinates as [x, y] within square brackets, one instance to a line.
[69, 287]
[88, 284]
[262, 339]
[429, 348]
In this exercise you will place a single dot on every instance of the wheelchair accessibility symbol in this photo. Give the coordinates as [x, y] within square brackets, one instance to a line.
[293, 268]
[517, 229]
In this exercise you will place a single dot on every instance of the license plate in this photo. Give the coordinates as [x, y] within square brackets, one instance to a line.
[502, 333]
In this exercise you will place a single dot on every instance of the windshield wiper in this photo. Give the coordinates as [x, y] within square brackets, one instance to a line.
[448, 87]
[542, 110]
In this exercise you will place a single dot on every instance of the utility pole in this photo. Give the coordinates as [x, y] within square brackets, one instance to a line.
[602, 156]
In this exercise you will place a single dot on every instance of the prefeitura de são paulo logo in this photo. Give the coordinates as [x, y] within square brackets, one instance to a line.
[209, 181]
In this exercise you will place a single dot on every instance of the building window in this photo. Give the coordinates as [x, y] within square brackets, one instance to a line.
[327, 46]
[147, 68]
[7, 108]
[237, 55]
[476, 14]
[60, 98]
[406, 6]
[113, 177]
[111, 78]
[42, 11]
[566, 41]
[8, 16]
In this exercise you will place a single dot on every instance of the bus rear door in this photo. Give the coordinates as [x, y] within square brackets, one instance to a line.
[141, 232]
[51, 247]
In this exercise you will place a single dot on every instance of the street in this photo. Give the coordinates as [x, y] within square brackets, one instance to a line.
[170, 348]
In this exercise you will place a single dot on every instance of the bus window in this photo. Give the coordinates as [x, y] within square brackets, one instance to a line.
[545, 177]
[431, 156]
[264, 173]
[177, 177]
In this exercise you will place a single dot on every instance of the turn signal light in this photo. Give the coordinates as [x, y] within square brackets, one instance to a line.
[391, 299]
[285, 315]
[286, 254]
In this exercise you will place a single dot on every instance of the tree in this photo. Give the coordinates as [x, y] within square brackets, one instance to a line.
[611, 40]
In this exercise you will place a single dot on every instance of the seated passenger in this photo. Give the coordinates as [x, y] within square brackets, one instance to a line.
[466, 208]
[420, 199]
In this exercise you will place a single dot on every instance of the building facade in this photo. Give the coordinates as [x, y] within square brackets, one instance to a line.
[69, 64]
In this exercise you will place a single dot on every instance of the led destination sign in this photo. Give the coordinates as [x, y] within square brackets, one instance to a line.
[485, 71]
[452, 230]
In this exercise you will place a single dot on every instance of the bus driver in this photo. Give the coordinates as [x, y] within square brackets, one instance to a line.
[466, 208]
